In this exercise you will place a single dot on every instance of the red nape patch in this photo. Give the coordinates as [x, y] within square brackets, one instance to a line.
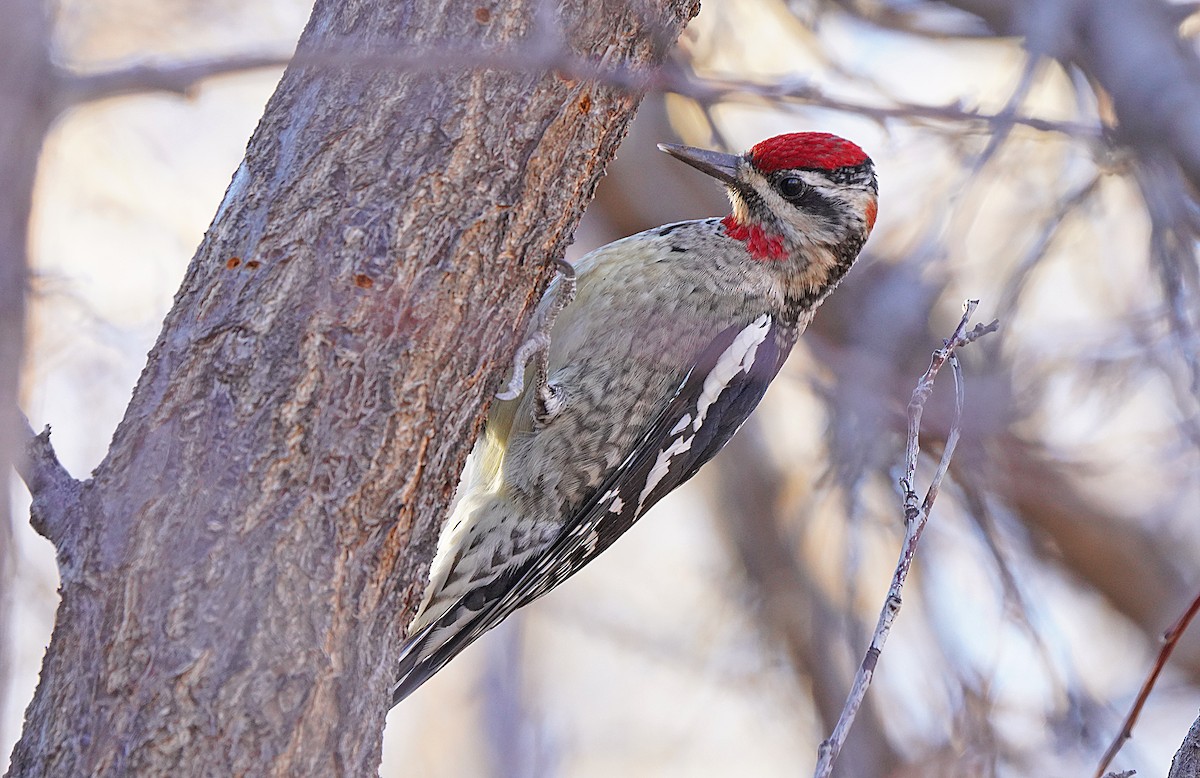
[805, 150]
[758, 242]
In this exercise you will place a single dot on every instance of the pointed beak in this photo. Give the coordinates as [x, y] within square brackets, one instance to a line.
[723, 167]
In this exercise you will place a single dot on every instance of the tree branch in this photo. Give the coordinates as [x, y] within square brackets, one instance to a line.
[916, 515]
[792, 608]
[180, 78]
[532, 57]
[1156, 96]
[1170, 640]
[56, 495]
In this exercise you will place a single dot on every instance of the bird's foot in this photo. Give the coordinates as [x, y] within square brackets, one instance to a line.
[548, 397]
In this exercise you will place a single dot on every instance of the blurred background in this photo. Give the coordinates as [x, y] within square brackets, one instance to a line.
[720, 636]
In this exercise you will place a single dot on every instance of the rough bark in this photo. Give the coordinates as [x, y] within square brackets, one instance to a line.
[237, 572]
[1186, 763]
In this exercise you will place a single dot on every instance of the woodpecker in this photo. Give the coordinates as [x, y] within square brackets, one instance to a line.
[651, 352]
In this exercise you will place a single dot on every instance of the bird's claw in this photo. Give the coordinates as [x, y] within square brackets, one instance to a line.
[548, 398]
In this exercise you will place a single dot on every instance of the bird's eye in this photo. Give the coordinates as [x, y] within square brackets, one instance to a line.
[791, 187]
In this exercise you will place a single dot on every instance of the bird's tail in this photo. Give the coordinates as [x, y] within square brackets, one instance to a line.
[432, 646]
[415, 668]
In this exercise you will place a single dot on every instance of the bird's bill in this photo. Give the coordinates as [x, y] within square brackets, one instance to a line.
[722, 167]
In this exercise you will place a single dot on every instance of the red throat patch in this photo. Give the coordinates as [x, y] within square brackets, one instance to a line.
[758, 242]
[819, 150]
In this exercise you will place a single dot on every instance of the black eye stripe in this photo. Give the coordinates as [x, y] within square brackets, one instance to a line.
[801, 194]
[816, 203]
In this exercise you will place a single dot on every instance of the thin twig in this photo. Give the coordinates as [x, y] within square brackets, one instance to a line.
[1051, 227]
[916, 515]
[1173, 232]
[1170, 640]
[899, 18]
[1003, 128]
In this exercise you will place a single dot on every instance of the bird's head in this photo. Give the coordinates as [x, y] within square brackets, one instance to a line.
[794, 192]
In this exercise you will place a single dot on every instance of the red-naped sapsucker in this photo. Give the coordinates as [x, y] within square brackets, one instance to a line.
[650, 353]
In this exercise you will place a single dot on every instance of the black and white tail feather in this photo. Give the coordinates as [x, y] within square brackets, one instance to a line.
[714, 397]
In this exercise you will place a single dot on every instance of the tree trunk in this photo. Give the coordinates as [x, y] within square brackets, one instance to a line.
[1186, 763]
[238, 571]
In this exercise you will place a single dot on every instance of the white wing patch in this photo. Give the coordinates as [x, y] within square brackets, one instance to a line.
[737, 358]
[662, 465]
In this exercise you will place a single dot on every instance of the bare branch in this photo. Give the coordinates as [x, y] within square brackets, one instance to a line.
[1004, 124]
[784, 91]
[920, 22]
[56, 495]
[180, 78]
[533, 56]
[1041, 244]
[916, 515]
[1172, 237]
[1170, 640]
[1156, 98]
[792, 607]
